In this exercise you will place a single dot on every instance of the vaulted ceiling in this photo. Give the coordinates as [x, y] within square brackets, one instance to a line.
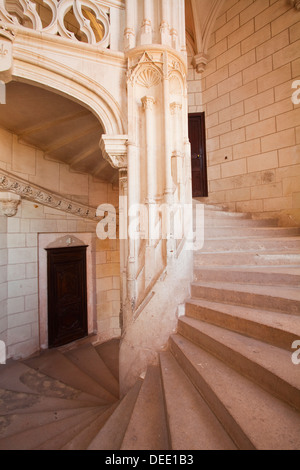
[200, 19]
[63, 129]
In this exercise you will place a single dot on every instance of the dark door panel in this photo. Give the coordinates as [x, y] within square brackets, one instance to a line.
[67, 295]
[198, 150]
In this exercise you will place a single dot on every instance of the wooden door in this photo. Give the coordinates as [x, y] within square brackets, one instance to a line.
[198, 148]
[67, 295]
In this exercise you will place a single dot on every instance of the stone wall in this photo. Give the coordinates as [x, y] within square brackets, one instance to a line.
[253, 127]
[3, 279]
[19, 237]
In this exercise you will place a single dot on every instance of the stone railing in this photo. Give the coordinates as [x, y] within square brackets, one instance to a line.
[93, 20]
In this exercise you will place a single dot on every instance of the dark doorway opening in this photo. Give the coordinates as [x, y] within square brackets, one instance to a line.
[67, 295]
[198, 150]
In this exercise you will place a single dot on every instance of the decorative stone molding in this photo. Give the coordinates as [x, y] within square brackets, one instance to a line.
[32, 192]
[95, 28]
[6, 57]
[149, 77]
[114, 150]
[148, 102]
[175, 107]
[154, 65]
[199, 62]
[9, 203]
[296, 4]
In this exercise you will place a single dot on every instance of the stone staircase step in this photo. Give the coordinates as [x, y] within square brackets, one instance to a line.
[18, 377]
[274, 328]
[58, 366]
[251, 232]
[17, 423]
[110, 437]
[83, 438]
[18, 402]
[224, 221]
[277, 299]
[270, 366]
[109, 352]
[147, 428]
[31, 439]
[89, 361]
[254, 418]
[288, 276]
[265, 258]
[192, 425]
[235, 245]
[219, 213]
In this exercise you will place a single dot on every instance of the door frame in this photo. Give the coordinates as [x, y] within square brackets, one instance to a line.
[55, 257]
[201, 117]
[53, 240]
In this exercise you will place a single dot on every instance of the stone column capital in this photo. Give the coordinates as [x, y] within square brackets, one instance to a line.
[175, 107]
[148, 102]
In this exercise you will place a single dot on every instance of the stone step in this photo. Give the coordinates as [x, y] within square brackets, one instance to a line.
[147, 428]
[109, 352]
[58, 366]
[253, 418]
[251, 232]
[18, 402]
[85, 436]
[110, 437]
[286, 276]
[274, 328]
[212, 207]
[17, 423]
[18, 377]
[271, 367]
[236, 245]
[89, 361]
[31, 439]
[225, 221]
[219, 213]
[265, 258]
[192, 425]
[278, 299]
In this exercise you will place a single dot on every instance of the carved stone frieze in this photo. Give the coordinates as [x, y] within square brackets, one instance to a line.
[32, 192]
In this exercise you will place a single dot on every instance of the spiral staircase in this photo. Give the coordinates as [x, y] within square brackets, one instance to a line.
[225, 381]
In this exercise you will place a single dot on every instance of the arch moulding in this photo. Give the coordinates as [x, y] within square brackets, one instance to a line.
[36, 69]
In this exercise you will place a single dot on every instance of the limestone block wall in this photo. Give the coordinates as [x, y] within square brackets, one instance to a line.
[3, 278]
[253, 127]
[19, 250]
